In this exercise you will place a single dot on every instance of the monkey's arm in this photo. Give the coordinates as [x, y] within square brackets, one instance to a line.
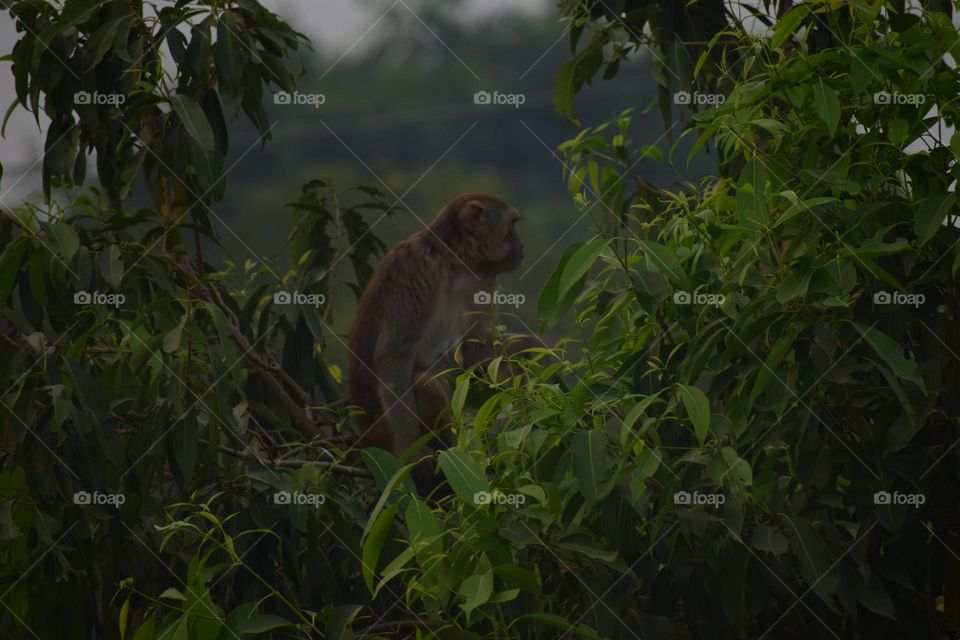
[394, 363]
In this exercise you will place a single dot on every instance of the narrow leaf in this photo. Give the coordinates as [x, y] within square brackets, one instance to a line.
[788, 24]
[465, 476]
[698, 409]
[194, 120]
[828, 105]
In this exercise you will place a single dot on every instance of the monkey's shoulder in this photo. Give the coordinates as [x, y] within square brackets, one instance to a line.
[412, 259]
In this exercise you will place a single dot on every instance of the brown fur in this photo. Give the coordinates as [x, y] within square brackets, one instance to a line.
[411, 317]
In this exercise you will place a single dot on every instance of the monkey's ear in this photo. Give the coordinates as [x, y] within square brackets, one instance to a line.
[473, 217]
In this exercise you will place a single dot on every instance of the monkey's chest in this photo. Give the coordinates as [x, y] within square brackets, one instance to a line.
[443, 331]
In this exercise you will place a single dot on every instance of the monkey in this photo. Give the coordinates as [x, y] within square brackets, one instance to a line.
[411, 320]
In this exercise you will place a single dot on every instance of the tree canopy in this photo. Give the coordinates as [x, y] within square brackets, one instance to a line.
[760, 438]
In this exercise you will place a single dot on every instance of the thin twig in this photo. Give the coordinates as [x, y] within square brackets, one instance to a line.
[356, 472]
[396, 625]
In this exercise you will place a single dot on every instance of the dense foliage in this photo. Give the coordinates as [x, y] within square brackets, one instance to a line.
[747, 433]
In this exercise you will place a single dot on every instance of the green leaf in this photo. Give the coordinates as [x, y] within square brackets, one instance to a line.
[751, 197]
[487, 412]
[74, 12]
[39, 267]
[563, 88]
[476, 590]
[815, 563]
[774, 358]
[184, 447]
[525, 579]
[558, 622]
[145, 631]
[504, 596]
[788, 24]
[647, 463]
[395, 567]
[424, 531]
[589, 460]
[828, 105]
[63, 239]
[373, 544]
[459, 397]
[737, 469]
[387, 496]
[230, 63]
[891, 353]
[698, 409]
[861, 71]
[769, 539]
[240, 612]
[10, 262]
[194, 121]
[799, 207]
[87, 390]
[171, 340]
[111, 265]
[338, 626]
[261, 623]
[384, 467]
[931, 212]
[102, 39]
[793, 286]
[549, 305]
[176, 630]
[877, 247]
[579, 264]
[649, 284]
[124, 616]
[173, 594]
[587, 546]
[875, 597]
[637, 410]
[465, 476]
[662, 259]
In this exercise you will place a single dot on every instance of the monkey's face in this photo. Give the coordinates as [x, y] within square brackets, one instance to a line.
[490, 227]
[511, 240]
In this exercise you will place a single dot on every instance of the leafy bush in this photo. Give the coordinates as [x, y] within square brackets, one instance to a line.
[760, 443]
[773, 344]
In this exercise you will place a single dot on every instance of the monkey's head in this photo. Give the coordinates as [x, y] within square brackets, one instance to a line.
[479, 229]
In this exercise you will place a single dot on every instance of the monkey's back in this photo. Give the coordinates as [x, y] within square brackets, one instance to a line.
[399, 291]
